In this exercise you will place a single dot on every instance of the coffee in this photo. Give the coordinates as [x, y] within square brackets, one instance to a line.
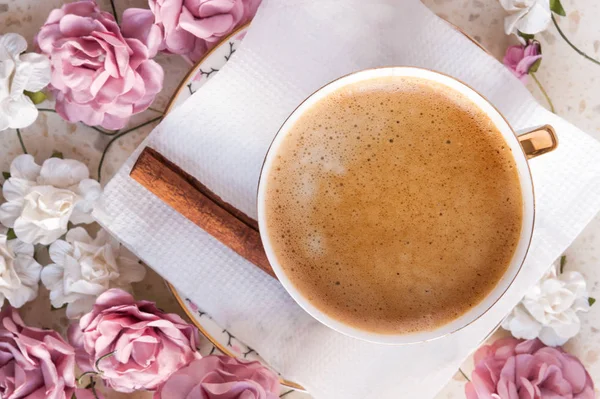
[394, 205]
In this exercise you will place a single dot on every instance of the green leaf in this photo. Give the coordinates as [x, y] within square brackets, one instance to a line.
[591, 301]
[563, 262]
[6, 175]
[10, 235]
[57, 154]
[36, 97]
[535, 66]
[557, 7]
[526, 36]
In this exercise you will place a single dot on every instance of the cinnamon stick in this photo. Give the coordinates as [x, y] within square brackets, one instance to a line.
[197, 203]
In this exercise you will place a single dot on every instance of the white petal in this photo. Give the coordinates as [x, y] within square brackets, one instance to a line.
[21, 248]
[62, 173]
[31, 233]
[58, 250]
[32, 73]
[130, 272]
[21, 296]
[28, 270]
[20, 111]
[549, 337]
[9, 212]
[78, 234]
[4, 120]
[511, 21]
[537, 19]
[7, 68]
[14, 189]
[24, 167]
[521, 324]
[51, 276]
[14, 43]
[90, 191]
[78, 217]
[80, 307]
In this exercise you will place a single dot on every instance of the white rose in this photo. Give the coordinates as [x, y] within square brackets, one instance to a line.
[19, 72]
[549, 309]
[41, 201]
[19, 272]
[527, 16]
[84, 268]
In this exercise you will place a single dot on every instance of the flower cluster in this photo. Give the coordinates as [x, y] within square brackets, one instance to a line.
[549, 309]
[190, 27]
[132, 345]
[101, 73]
[514, 369]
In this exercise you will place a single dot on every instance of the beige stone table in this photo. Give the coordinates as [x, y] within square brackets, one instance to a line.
[572, 83]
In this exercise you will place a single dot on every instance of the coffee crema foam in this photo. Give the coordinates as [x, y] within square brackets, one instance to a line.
[394, 205]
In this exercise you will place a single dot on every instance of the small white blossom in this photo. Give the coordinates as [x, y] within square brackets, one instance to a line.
[84, 268]
[19, 72]
[549, 309]
[19, 271]
[527, 16]
[42, 200]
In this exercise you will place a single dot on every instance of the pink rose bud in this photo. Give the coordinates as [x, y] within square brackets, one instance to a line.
[133, 345]
[520, 59]
[221, 377]
[516, 369]
[99, 77]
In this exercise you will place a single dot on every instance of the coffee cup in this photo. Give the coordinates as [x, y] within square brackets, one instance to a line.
[522, 147]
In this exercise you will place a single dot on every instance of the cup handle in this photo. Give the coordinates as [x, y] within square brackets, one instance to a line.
[538, 141]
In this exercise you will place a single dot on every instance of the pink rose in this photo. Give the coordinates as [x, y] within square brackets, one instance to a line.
[99, 77]
[221, 377]
[34, 363]
[517, 369]
[133, 345]
[520, 59]
[190, 27]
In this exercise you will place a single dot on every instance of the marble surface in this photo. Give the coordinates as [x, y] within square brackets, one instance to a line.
[572, 83]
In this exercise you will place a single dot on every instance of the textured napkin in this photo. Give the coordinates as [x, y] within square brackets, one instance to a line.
[221, 134]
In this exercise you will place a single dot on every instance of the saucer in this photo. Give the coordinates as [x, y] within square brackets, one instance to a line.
[222, 339]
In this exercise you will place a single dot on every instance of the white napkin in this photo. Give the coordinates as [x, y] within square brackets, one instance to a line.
[221, 134]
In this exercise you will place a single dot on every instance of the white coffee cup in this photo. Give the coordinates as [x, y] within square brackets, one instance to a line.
[524, 146]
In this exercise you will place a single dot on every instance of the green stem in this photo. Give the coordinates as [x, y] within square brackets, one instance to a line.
[21, 141]
[93, 388]
[463, 374]
[82, 376]
[543, 91]
[118, 136]
[560, 32]
[114, 10]
[101, 358]
[46, 110]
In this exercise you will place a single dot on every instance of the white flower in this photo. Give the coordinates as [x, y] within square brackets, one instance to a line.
[549, 309]
[527, 16]
[84, 268]
[19, 272]
[19, 72]
[42, 200]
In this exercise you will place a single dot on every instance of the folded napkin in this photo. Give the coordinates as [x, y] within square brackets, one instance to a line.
[221, 134]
